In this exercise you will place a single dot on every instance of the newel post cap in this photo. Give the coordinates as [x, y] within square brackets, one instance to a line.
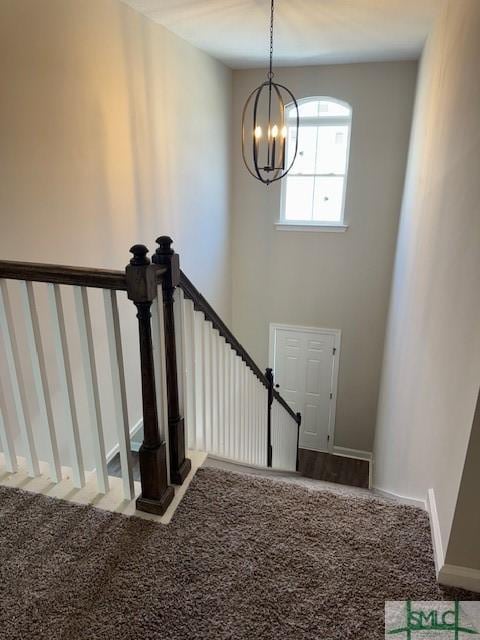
[164, 246]
[165, 255]
[140, 258]
[140, 276]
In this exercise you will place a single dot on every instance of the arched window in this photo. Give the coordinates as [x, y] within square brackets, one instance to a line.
[313, 193]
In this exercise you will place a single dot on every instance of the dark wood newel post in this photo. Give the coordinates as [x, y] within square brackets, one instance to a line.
[142, 290]
[269, 377]
[299, 422]
[179, 464]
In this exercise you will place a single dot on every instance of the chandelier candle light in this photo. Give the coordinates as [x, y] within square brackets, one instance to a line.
[266, 106]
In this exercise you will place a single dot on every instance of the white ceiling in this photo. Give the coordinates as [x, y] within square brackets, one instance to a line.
[306, 31]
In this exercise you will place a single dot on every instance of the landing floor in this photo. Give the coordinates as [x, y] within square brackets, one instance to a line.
[244, 557]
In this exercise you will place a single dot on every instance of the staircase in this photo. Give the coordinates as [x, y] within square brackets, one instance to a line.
[73, 374]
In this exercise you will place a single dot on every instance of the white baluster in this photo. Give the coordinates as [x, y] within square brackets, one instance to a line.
[16, 379]
[91, 383]
[258, 397]
[239, 393]
[119, 390]
[179, 324]
[228, 401]
[199, 380]
[221, 394]
[264, 426]
[239, 428]
[6, 439]
[262, 421]
[247, 414]
[251, 405]
[244, 429]
[260, 410]
[189, 355]
[39, 371]
[234, 396]
[215, 395]
[66, 382]
[253, 416]
[207, 389]
[233, 403]
[254, 419]
[244, 440]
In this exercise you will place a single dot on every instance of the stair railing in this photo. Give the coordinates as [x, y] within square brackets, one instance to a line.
[190, 364]
[140, 281]
[232, 410]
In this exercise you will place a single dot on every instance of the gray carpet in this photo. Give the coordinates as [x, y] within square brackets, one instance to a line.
[244, 558]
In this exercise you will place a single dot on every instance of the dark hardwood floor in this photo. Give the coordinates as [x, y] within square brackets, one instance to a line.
[114, 469]
[332, 468]
[313, 464]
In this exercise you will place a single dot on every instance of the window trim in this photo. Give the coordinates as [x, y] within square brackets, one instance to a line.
[285, 224]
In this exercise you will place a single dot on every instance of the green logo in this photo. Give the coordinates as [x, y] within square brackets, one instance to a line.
[434, 619]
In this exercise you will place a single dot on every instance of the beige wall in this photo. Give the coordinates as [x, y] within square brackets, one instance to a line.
[113, 131]
[335, 280]
[464, 543]
[431, 367]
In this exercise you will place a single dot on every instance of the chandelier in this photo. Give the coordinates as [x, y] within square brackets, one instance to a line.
[264, 130]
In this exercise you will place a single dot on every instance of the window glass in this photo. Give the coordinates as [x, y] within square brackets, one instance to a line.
[314, 189]
[327, 199]
[307, 109]
[314, 108]
[299, 197]
[307, 151]
[333, 109]
[331, 151]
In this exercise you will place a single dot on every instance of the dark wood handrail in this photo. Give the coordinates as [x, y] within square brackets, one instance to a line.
[201, 304]
[61, 274]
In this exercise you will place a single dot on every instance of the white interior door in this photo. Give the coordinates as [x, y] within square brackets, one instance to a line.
[304, 366]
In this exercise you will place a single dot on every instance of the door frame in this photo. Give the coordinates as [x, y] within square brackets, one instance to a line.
[337, 338]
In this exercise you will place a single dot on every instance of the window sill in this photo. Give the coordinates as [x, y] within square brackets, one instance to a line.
[329, 228]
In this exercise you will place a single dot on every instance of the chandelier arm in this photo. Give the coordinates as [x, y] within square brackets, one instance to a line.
[276, 176]
[255, 108]
[281, 108]
[258, 177]
[281, 86]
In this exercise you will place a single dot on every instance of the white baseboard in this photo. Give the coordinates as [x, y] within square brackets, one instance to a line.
[412, 502]
[352, 453]
[438, 551]
[448, 574]
[461, 577]
[113, 452]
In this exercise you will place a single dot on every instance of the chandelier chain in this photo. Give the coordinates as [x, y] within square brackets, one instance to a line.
[270, 71]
